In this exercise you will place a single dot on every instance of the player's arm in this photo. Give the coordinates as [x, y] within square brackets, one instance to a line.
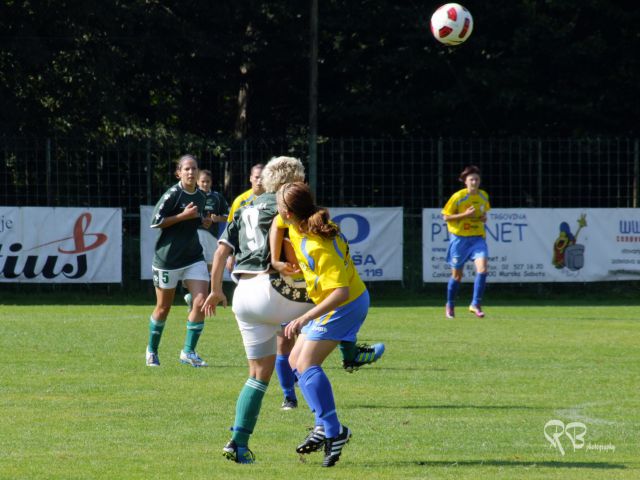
[276, 238]
[189, 212]
[469, 212]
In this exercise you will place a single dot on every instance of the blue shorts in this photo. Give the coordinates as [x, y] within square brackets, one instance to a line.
[463, 249]
[340, 324]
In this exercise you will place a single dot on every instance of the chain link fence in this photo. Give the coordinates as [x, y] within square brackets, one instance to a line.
[412, 173]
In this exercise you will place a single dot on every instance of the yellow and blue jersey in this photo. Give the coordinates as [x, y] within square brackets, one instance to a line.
[325, 264]
[459, 203]
[245, 198]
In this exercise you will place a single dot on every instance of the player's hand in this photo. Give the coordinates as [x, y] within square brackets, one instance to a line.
[286, 268]
[231, 262]
[294, 327]
[483, 218]
[190, 211]
[206, 222]
[470, 212]
[212, 301]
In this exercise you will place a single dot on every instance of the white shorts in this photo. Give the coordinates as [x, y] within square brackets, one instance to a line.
[168, 279]
[209, 244]
[260, 310]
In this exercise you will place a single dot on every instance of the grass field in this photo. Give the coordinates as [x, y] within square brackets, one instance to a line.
[450, 399]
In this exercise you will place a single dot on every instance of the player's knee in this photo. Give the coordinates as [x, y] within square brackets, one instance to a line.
[161, 312]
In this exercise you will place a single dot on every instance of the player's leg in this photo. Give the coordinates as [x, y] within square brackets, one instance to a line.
[286, 377]
[479, 286]
[249, 401]
[455, 258]
[196, 279]
[165, 283]
[356, 355]
[320, 338]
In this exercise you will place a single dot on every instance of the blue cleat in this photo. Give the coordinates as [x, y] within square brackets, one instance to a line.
[366, 354]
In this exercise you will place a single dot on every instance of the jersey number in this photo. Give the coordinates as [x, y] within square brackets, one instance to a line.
[254, 234]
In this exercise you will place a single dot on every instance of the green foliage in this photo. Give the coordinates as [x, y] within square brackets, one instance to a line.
[162, 69]
[449, 400]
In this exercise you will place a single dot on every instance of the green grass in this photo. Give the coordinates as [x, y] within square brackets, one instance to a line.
[450, 399]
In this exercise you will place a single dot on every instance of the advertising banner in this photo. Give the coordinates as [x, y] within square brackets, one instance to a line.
[375, 238]
[60, 245]
[544, 245]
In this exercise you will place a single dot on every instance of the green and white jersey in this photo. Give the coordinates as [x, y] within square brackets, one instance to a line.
[178, 245]
[248, 235]
[216, 205]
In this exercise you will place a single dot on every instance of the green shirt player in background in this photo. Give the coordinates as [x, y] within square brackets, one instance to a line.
[178, 257]
[215, 208]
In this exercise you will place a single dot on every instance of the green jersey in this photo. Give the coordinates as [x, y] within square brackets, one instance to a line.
[216, 205]
[178, 245]
[248, 234]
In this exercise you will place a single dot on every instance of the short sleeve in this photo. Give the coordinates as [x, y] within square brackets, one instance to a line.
[165, 206]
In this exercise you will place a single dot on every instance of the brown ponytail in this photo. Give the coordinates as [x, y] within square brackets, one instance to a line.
[297, 198]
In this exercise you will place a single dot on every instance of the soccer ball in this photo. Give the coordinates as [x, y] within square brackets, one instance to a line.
[451, 24]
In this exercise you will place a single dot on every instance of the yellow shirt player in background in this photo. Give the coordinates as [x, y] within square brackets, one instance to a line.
[466, 214]
[341, 305]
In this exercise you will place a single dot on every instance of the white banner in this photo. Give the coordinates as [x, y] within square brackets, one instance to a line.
[544, 245]
[375, 238]
[148, 237]
[60, 245]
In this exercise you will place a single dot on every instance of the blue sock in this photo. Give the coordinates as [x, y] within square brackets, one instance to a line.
[286, 377]
[452, 291]
[318, 393]
[478, 288]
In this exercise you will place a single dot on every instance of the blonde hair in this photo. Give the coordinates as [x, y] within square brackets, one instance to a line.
[281, 170]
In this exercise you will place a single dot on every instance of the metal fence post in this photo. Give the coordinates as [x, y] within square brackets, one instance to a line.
[148, 159]
[440, 172]
[539, 173]
[636, 173]
[48, 159]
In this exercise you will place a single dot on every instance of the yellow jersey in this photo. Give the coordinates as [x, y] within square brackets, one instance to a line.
[245, 198]
[459, 203]
[325, 264]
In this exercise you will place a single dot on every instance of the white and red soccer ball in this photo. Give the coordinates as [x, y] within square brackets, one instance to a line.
[451, 24]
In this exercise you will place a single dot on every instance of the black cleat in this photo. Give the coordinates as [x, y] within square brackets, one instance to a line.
[289, 404]
[237, 454]
[333, 447]
[313, 442]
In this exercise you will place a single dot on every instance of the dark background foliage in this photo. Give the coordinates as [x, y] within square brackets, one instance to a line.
[157, 68]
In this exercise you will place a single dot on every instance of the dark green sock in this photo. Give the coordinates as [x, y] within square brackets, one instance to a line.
[155, 333]
[194, 330]
[348, 350]
[247, 410]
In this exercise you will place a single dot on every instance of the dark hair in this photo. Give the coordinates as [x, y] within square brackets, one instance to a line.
[256, 166]
[297, 198]
[206, 172]
[468, 170]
